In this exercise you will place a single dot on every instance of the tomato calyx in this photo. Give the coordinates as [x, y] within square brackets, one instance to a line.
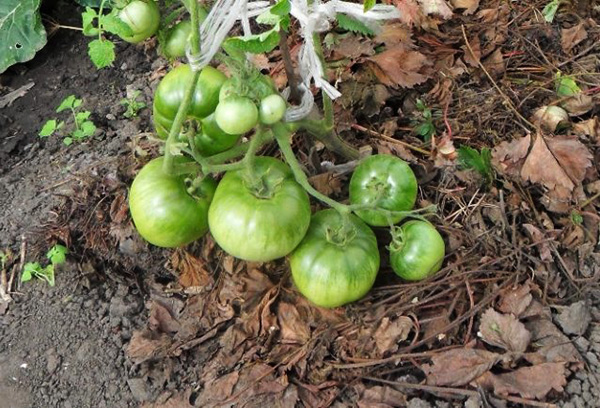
[341, 235]
[194, 187]
[379, 187]
[261, 187]
[397, 239]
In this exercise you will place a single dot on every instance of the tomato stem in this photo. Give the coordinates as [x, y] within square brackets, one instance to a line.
[282, 135]
[326, 134]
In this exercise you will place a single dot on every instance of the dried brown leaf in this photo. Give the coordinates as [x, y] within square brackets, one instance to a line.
[294, 328]
[578, 104]
[575, 318]
[538, 236]
[326, 183]
[394, 34]
[146, 345]
[557, 163]
[472, 58]
[379, 397]
[399, 66]
[192, 270]
[528, 382]
[515, 300]
[436, 7]
[590, 128]
[410, 12]
[470, 6]
[570, 37]
[390, 333]
[162, 318]
[494, 63]
[504, 331]
[550, 344]
[458, 367]
[508, 157]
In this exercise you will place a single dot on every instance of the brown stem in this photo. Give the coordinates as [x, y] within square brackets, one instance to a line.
[328, 136]
[289, 68]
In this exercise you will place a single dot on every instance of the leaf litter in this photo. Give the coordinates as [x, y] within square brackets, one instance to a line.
[249, 339]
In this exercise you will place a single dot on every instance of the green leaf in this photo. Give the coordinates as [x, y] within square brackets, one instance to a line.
[368, 5]
[3, 259]
[256, 44]
[77, 103]
[88, 17]
[470, 158]
[102, 53]
[566, 85]
[21, 31]
[81, 117]
[47, 274]
[87, 128]
[68, 141]
[351, 24]
[550, 10]
[281, 8]
[113, 24]
[576, 217]
[67, 103]
[30, 270]
[57, 254]
[48, 128]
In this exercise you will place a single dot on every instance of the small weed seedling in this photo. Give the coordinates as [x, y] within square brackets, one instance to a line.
[56, 255]
[423, 125]
[470, 158]
[83, 126]
[132, 105]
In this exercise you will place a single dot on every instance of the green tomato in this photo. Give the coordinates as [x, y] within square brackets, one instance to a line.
[335, 264]
[417, 250]
[143, 17]
[228, 89]
[212, 139]
[177, 38]
[170, 92]
[387, 180]
[236, 115]
[163, 211]
[259, 221]
[272, 109]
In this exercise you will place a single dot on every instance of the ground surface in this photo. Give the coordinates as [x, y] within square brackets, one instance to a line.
[127, 324]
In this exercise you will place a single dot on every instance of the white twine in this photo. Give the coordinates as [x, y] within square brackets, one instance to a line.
[307, 102]
[313, 18]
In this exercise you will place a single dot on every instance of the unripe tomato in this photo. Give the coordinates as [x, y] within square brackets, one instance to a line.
[236, 115]
[170, 92]
[335, 263]
[272, 109]
[387, 180]
[163, 211]
[417, 250]
[259, 222]
[177, 39]
[212, 139]
[143, 17]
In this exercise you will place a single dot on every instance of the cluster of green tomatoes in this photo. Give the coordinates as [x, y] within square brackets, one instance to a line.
[262, 213]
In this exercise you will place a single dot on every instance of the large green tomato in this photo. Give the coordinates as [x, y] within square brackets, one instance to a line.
[143, 17]
[259, 221]
[212, 139]
[170, 92]
[163, 211]
[417, 250]
[387, 180]
[335, 264]
[236, 115]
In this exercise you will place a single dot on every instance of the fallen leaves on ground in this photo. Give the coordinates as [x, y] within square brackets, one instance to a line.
[379, 397]
[391, 332]
[558, 163]
[528, 382]
[504, 331]
[191, 270]
[515, 300]
[458, 367]
[469, 6]
[400, 66]
[550, 344]
[570, 37]
[576, 318]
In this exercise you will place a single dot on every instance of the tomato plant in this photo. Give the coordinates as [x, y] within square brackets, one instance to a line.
[236, 115]
[260, 217]
[171, 90]
[386, 182]
[417, 250]
[336, 262]
[143, 17]
[163, 211]
[212, 139]
[272, 109]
